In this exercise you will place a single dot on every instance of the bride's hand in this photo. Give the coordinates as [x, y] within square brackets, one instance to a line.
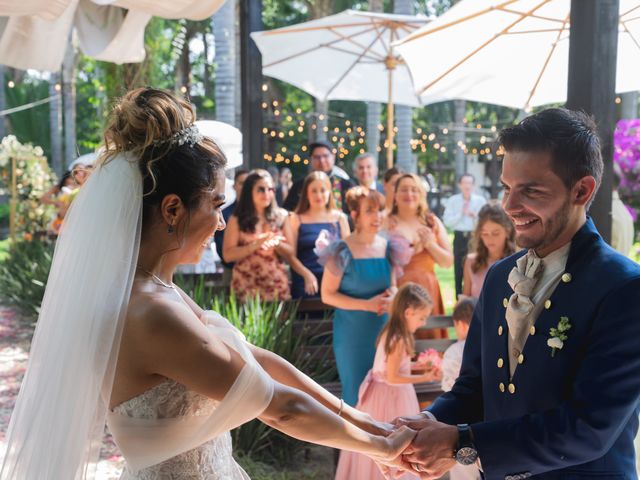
[369, 424]
[390, 456]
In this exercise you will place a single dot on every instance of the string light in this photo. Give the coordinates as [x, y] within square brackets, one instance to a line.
[265, 87]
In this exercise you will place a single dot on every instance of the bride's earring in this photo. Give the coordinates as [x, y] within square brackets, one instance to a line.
[170, 229]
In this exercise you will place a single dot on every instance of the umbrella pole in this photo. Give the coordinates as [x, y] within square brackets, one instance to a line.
[390, 132]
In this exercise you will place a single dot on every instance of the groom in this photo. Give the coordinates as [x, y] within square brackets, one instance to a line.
[550, 379]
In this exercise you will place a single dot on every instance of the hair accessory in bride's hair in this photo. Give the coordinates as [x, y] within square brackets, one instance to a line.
[189, 135]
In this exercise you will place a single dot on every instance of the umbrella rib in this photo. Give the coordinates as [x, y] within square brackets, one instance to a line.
[630, 10]
[633, 39]
[538, 17]
[311, 49]
[542, 30]
[380, 32]
[343, 76]
[348, 38]
[417, 35]
[546, 63]
[497, 35]
[375, 59]
[287, 30]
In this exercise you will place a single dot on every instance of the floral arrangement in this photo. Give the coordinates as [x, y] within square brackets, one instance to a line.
[33, 178]
[429, 358]
[626, 154]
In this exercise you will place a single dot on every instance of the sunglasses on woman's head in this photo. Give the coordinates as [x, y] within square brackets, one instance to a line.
[265, 189]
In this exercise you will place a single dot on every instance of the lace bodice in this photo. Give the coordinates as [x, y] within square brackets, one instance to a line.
[210, 461]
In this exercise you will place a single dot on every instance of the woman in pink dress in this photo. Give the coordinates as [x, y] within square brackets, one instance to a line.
[387, 391]
[493, 240]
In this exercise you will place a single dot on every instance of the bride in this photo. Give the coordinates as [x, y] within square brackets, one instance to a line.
[117, 340]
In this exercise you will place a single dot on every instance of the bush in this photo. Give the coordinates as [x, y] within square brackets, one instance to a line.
[269, 325]
[24, 272]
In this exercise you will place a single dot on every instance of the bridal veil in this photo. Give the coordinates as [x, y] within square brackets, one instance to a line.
[58, 422]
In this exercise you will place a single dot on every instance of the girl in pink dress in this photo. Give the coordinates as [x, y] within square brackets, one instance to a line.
[387, 391]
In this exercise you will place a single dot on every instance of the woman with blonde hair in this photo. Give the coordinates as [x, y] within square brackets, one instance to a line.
[411, 219]
[316, 213]
[117, 339]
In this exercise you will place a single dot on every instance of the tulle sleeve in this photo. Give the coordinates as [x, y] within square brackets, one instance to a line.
[399, 252]
[333, 254]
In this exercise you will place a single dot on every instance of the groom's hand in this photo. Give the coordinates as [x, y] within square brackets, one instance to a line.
[415, 422]
[431, 452]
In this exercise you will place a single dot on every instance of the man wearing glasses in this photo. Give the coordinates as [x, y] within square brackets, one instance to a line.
[323, 160]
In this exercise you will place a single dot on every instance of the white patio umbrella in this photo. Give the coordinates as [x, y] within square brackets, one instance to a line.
[228, 138]
[35, 33]
[509, 52]
[347, 56]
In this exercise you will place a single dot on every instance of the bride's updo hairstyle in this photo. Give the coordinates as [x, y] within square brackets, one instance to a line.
[153, 126]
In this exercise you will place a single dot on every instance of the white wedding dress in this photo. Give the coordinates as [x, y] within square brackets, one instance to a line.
[170, 433]
[210, 461]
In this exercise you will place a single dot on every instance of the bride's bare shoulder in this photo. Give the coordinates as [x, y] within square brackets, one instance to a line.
[160, 315]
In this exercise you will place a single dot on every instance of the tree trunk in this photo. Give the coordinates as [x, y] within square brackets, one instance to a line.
[55, 124]
[319, 9]
[459, 107]
[225, 36]
[374, 109]
[322, 120]
[69, 104]
[206, 74]
[404, 115]
[183, 65]
[3, 103]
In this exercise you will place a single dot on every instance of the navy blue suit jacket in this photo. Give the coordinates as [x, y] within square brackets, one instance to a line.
[571, 416]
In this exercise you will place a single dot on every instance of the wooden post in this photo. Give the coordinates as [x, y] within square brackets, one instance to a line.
[593, 46]
[251, 83]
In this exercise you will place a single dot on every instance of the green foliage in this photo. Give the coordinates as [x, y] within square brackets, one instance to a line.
[31, 125]
[4, 214]
[258, 470]
[23, 274]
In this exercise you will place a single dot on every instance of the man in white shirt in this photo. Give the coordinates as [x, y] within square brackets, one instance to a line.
[460, 215]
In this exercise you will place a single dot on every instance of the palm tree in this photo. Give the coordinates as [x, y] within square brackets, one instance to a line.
[374, 109]
[224, 32]
[69, 65]
[55, 124]
[403, 114]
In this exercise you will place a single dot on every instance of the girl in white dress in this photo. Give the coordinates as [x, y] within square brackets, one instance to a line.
[117, 339]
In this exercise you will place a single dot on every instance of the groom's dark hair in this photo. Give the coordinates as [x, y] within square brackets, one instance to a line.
[569, 136]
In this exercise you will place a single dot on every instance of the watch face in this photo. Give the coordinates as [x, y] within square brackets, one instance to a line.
[466, 455]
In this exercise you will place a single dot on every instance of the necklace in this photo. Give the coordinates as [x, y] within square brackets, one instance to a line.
[157, 279]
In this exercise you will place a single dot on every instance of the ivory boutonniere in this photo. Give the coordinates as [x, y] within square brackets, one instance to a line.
[558, 335]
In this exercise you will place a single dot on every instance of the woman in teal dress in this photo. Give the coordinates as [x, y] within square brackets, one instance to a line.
[359, 281]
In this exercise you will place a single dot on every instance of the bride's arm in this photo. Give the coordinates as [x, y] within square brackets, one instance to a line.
[300, 416]
[282, 371]
[179, 347]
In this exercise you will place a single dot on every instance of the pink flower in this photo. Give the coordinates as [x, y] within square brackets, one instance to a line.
[430, 358]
